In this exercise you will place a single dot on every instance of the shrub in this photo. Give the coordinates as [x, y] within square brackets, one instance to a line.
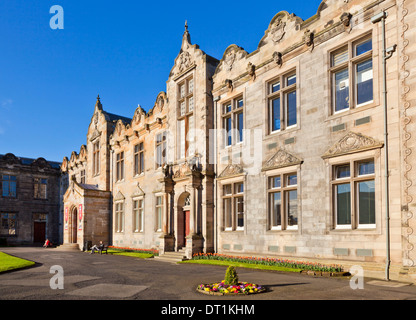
[231, 277]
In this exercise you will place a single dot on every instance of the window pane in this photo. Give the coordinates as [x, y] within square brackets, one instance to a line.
[191, 104]
[341, 90]
[227, 189]
[5, 188]
[275, 114]
[363, 47]
[292, 208]
[239, 188]
[191, 86]
[292, 180]
[183, 109]
[227, 213]
[342, 171]
[339, 57]
[291, 108]
[275, 86]
[275, 182]
[228, 131]
[366, 201]
[364, 82]
[276, 203]
[239, 203]
[240, 126]
[240, 103]
[291, 80]
[227, 108]
[343, 204]
[366, 168]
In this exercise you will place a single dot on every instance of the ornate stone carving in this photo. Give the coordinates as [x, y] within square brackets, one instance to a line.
[229, 60]
[346, 21]
[352, 142]
[278, 58]
[251, 69]
[278, 31]
[229, 84]
[231, 170]
[308, 39]
[281, 159]
[10, 158]
[184, 62]
[182, 170]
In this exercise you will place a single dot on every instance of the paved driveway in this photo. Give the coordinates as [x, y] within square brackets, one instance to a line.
[108, 277]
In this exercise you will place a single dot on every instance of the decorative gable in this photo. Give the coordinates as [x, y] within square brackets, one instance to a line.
[119, 197]
[352, 142]
[231, 170]
[281, 159]
[138, 192]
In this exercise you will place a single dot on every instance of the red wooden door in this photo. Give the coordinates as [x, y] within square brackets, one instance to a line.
[186, 216]
[39, 233]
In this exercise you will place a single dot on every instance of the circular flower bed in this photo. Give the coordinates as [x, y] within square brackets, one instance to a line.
[221, 288]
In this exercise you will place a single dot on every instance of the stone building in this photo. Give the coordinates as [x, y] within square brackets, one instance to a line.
[30, 205]
[277, 152]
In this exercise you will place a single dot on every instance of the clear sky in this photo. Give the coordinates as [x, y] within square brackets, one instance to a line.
[121, 50]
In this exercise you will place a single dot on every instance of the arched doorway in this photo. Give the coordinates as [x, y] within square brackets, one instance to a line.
[74, 227]
[183, 219]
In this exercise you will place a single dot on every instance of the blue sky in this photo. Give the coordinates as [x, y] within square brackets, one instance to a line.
[124, 51]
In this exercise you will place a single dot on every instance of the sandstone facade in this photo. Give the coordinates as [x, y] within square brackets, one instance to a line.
[275, 152]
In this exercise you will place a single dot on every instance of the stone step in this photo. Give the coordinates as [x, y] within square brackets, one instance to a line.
[172, 256]
[68, 247]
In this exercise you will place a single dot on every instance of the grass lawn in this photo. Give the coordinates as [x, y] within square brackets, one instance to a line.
[8, 262]
[131, 254]
[242, 265]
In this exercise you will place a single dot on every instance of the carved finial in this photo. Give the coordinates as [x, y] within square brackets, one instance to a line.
[98, 103]
[186, 39]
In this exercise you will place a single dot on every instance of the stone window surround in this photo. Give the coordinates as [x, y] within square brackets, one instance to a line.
[283, 172]
[233, 114]
[158, 220]
[233, 181]
[350, 41]
[119, 216]
[282, 93]
[353, 158]
[141, 222]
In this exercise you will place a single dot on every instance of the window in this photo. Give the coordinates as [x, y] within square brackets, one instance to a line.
[159, 209]
[138, 215]
[354, 195]
[120, 166]
[282, 104]
[233, 206]
[8, 186]
[40, 188]
[352, 75]
[233, 121]
[283, 202]
[138, 158]
[119, 210]
[186, 127]
[161, 150]
[8, 223]
[96, 158]
[83, 176]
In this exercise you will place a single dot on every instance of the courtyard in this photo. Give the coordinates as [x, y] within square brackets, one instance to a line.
[112, 277]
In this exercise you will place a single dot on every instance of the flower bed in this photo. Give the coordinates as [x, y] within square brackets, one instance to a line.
[126, 249]
[312, 266]
[221, 288]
